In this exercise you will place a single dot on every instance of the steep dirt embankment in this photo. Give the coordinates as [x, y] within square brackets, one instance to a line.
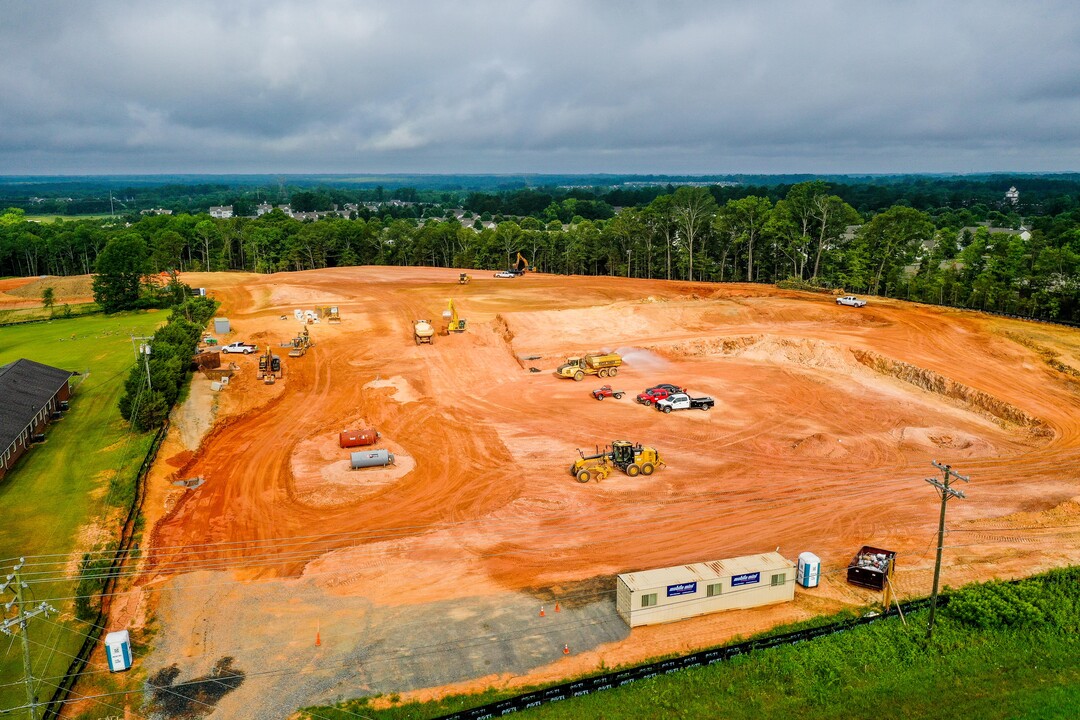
[819, 354]
[936, 383]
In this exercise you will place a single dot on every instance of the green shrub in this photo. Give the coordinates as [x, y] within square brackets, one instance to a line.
[1052, 599]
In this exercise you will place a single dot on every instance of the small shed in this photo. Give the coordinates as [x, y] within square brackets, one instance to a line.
[666, 594]
[221, 326]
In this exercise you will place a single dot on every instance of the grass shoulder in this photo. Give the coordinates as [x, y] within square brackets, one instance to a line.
[1000, 650]
[64, 496]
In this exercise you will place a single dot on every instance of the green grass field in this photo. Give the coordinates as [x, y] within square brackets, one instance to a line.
[54, 218]
[1001, 653]
[83, 471]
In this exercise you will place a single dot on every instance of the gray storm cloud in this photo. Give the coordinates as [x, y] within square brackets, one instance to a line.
[547, 86]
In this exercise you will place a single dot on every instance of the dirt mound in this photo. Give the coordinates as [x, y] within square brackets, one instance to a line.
[957, 443]
[75, 287]
[323, 476]
[820, 445]
[729, 346]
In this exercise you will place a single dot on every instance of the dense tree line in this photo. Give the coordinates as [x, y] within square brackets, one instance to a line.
[154, 384]
[808, 234]
[517, 196]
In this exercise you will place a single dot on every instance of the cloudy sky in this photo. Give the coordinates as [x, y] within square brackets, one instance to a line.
[548, 86]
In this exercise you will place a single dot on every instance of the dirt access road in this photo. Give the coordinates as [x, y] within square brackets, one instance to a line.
[825, 424]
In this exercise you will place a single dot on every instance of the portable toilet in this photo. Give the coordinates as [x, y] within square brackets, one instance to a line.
[221, 325]
[809, 570]
[118, 650]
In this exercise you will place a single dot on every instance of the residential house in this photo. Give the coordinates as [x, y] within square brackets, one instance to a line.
[222, 212]
[33, 395]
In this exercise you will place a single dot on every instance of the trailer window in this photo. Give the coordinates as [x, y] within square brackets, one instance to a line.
[713, 590]
[648, 600]
[778, 579]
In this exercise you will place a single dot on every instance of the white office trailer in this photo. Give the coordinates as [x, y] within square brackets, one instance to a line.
[657, 596]
[808, 572]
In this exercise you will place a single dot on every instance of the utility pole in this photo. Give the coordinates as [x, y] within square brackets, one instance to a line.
[15, 585]
[946, 492]
[143, 350]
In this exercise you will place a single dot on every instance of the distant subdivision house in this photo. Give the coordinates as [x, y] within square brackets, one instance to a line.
[222, 212]
[30, 395]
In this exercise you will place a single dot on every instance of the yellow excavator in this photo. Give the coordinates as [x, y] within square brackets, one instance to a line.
[521, 265]
[453, 322]
[464, 278]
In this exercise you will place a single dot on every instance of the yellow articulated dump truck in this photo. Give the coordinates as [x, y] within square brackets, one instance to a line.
[602, 364]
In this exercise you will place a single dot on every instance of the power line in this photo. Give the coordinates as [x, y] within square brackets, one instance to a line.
[438, 647]
[306, 575]
[245, 547]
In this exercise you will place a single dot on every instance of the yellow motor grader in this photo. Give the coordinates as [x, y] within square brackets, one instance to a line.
[623, 455]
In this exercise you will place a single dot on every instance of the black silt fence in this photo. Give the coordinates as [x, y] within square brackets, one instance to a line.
[587, 686]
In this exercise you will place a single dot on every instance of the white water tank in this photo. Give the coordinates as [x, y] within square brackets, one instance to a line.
[808, 572]
[372, 458]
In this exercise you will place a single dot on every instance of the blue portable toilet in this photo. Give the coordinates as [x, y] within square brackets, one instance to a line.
[808, 572]
[118, 650]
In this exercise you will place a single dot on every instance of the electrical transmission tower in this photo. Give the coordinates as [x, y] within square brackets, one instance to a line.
[946, 492]
[13, 583]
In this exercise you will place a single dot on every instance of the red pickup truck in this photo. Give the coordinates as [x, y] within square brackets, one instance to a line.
[606, 391]
[658, 392]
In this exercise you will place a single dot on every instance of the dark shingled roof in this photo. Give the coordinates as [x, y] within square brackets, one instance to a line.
[25, 387]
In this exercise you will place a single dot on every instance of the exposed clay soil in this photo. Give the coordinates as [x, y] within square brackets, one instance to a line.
[26, 292]
[825, 424]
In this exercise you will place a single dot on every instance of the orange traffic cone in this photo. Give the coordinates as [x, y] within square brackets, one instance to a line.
[542, 611]
[565, 649]
[557, 607]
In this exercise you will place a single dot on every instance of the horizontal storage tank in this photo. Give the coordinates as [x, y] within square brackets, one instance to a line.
[118, 650]
[372, 458]
[808, 573]
[358, 438]
[221, 326]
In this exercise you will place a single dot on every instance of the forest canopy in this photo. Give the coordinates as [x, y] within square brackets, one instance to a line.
[955, 241]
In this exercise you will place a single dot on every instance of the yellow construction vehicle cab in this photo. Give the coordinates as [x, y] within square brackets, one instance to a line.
[464, 278]
[453, 322]
[635, 459]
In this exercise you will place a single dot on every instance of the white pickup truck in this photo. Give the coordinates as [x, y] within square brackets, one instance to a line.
[850, 300]
[682, 401]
